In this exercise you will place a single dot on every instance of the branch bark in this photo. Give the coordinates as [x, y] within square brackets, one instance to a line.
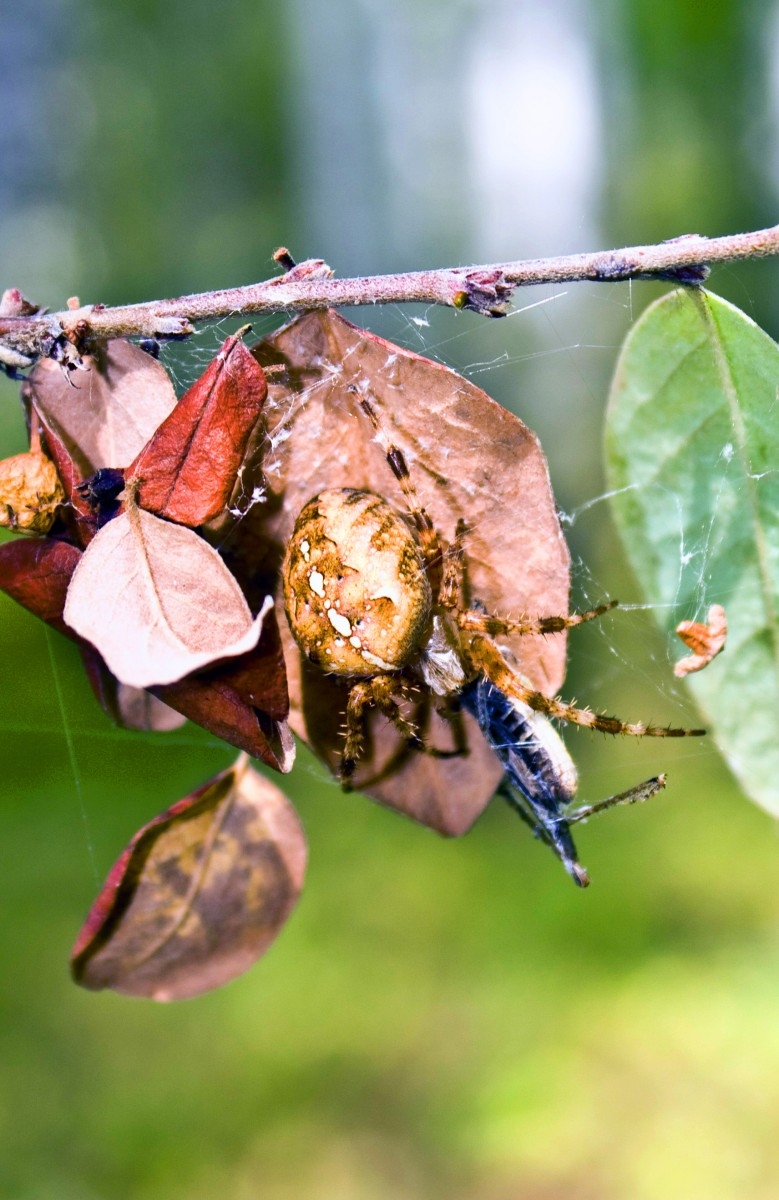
[26, 335]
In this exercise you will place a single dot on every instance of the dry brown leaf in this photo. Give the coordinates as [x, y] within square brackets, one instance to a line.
[468, 458]
[198, 895]
[706, 641]
[157, 601]
[106, 414]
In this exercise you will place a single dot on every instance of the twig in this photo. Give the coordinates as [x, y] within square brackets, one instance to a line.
[25, 336]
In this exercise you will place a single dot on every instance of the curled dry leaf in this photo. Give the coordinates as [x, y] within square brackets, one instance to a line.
[470, 459]
[30, 493]
[198, 895]
[105, 415]
[187, 470]
[705, 641]
[157, 601]
[79, 518]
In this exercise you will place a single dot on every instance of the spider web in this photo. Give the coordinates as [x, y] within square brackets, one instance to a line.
[550, 362]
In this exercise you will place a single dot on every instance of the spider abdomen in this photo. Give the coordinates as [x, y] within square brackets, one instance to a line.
[356, 592]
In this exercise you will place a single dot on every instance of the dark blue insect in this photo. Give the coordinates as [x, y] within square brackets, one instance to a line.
[540, 777]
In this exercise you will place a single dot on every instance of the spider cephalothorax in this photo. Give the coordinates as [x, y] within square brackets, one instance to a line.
[375, 596]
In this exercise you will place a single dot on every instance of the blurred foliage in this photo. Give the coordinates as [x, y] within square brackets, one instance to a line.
[686, 152]
[696, 104]
[439, 1019]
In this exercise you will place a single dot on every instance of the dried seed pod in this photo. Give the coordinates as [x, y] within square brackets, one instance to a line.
[30, 492]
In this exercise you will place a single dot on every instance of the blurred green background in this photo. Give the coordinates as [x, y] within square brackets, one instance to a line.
[439, 1019]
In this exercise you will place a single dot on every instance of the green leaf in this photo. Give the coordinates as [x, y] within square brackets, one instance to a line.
[693, 456]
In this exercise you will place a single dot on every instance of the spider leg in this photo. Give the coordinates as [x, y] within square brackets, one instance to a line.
[428, 538]
[359, 700]
[376, 692]
[452, 569]
[486, 657]
[473, 621]
[450, 710]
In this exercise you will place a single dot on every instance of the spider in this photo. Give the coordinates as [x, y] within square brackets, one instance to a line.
[373, 595]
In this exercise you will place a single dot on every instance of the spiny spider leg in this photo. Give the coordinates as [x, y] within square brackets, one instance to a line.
[452, 573]
[428, 538]
[364, 694]
[486, 657]
[473, 621]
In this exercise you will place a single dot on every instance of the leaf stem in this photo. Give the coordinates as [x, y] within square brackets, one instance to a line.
[26, 335]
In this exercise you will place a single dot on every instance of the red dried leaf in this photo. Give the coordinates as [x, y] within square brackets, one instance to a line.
[470, 459]
[198, 895]
[244, 702]
[78, 515]
[36, 574]
[187, 471]
[105, 414]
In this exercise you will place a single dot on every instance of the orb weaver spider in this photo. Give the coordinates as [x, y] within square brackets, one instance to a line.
[374, 595]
